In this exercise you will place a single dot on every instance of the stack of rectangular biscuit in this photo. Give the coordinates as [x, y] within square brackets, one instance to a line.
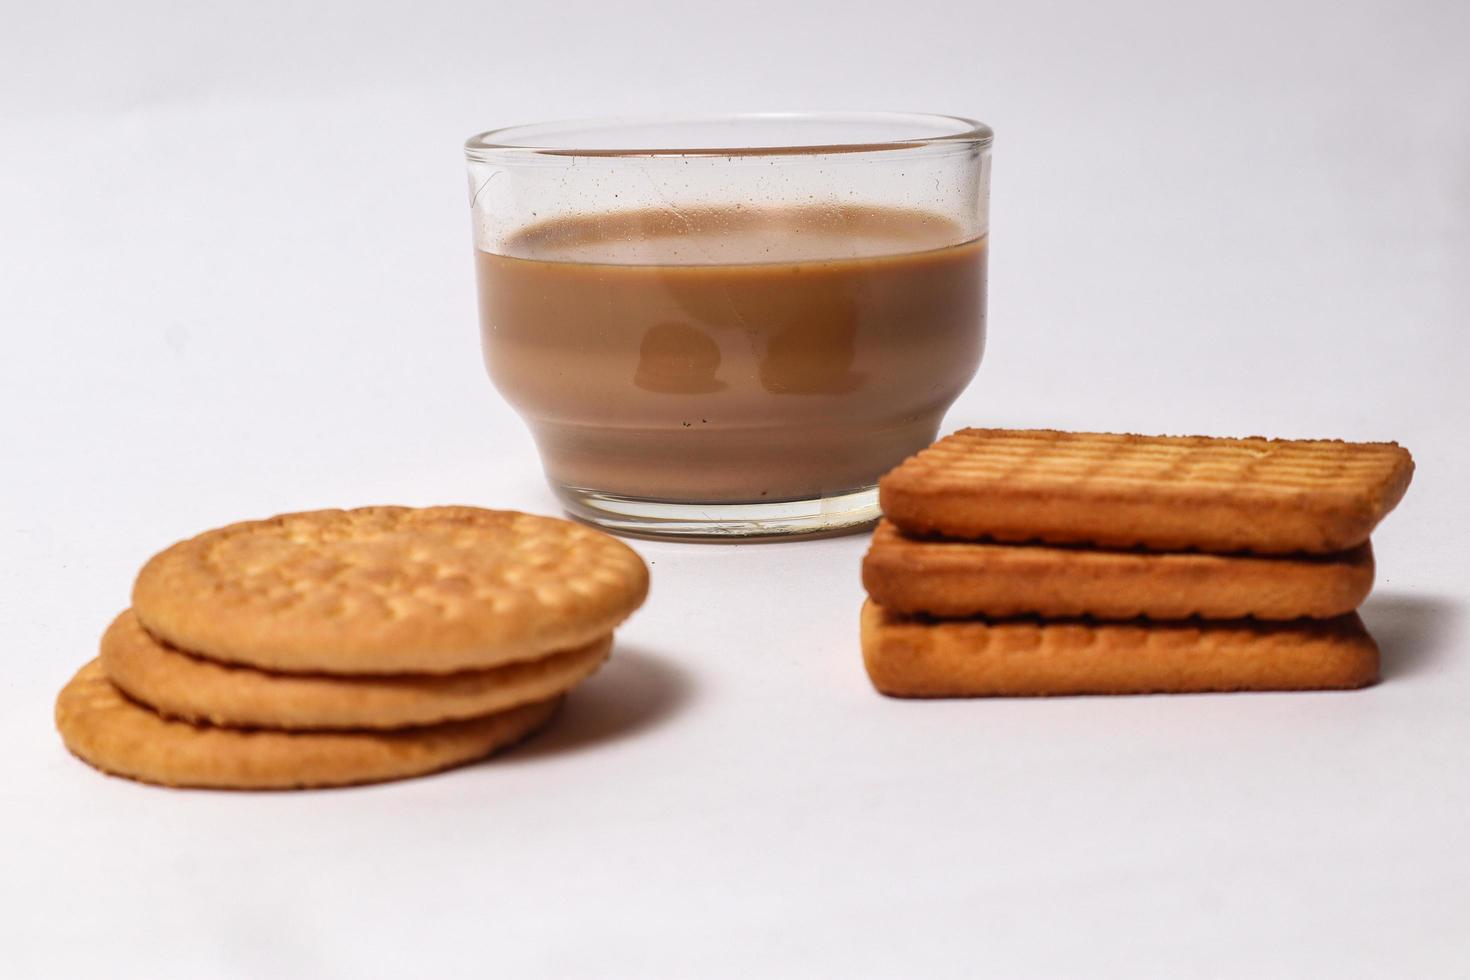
[1016, 562]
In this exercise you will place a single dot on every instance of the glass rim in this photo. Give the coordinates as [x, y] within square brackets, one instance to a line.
[538, 138]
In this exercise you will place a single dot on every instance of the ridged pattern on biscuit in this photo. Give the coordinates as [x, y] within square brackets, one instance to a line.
[911, 657]
[192, 688]
[1271, 496]
[957, 579]
[112, 733]
[389, 590]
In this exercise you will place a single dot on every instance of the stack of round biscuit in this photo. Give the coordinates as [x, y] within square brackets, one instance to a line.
[339, 647]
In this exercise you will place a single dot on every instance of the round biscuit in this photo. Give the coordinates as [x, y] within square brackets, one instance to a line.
[181, 685]
[384, 590]
[108, 731]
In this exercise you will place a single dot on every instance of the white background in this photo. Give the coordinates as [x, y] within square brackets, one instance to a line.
[235, 279]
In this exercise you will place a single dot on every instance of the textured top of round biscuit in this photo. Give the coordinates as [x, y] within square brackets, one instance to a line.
[389, 589]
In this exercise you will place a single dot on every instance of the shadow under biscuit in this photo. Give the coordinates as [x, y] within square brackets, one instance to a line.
[1412, 631]
[635, 691]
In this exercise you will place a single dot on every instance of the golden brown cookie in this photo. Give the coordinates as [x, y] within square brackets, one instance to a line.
[957, 579]
[1165, 493]
[922, 658]
[112, 733]
[181, 685]
[382, 590]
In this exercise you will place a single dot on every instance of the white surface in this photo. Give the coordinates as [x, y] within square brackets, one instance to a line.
[236, 280]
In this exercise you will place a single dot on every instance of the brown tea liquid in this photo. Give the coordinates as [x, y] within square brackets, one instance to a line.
[707, 356]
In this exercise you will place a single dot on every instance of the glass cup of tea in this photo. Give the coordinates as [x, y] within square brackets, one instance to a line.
[731, 326]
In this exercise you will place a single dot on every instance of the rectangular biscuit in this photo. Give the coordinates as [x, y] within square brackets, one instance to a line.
[919, 658]
[1166, 493]
[958, 579]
